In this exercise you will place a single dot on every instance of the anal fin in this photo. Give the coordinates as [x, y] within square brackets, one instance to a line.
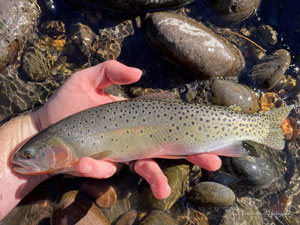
[233, 150]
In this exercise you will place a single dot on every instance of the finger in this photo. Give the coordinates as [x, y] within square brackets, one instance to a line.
[149, 169]
[206, 161]
[89, 167]
[112, 72]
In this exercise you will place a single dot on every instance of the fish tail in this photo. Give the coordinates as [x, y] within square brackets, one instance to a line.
[274, 136]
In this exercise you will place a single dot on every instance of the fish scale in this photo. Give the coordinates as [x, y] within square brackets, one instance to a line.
[154, 127]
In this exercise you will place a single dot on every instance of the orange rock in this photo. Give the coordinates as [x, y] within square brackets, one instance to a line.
[59, 44]
[267, 101]
[290, 130]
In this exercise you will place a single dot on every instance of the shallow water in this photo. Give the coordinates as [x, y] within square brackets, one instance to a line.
[278, 204]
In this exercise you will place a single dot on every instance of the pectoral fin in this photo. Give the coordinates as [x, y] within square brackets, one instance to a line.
[101, 155]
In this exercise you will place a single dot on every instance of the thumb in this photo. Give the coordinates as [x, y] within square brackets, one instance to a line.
[112, 72]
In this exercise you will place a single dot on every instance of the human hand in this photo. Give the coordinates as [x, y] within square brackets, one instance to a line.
[83, 90]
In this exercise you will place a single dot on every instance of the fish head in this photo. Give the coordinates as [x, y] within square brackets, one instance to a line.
[42, 156]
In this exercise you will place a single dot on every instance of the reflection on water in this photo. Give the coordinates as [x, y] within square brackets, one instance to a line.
[75, 34]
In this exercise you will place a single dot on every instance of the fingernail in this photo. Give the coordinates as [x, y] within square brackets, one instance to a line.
[87, 168]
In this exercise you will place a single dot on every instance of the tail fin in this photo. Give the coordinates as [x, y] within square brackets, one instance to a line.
[274, 135]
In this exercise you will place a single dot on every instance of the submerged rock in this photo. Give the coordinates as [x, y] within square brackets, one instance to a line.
[193, 46]
[178, 176]
[268, 72]
[128, 218]
[211, 194]
[37, 61]
[158, 217]
[79, 40]
[186, 215]
[231, 12]
[260, 171]
[107, 44]
[18, 20]
[16, 95]
[267, 34]
[139, 5]
[243, 212]
[75, 208]
[229, 93]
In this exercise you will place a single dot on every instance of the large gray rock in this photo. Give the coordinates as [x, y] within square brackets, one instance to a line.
[193, 46]
[18, 19]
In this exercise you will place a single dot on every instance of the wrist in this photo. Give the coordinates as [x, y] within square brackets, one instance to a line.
[13, 186]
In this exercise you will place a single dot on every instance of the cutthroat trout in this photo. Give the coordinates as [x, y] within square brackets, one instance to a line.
[147, 127]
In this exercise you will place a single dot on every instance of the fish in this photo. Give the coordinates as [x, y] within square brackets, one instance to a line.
[155, 126]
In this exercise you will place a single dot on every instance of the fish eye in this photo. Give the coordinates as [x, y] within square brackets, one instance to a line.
[28, 154]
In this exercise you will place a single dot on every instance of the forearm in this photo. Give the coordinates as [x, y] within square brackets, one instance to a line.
[13, 187]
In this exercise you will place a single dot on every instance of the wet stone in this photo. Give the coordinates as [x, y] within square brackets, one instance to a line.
[269, 71]
[157, 217]
[260, 171]
[116, 90]
[139, 91]
[17, 95]
[222, 177]
[211, 194]
[194, 47]
[230, 12]
[75, 208]
[79, 40]
[18, 20]
[103, 192]
[178, 178]
[242, 212]
[53, 28]
[37, 61]
[185, 215]
[267, 34]
[108, 198]
[108, 43]
[229, 93]
[128, 218]
[139, 5]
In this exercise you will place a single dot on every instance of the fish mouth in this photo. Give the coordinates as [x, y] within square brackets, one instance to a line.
[25, 168]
